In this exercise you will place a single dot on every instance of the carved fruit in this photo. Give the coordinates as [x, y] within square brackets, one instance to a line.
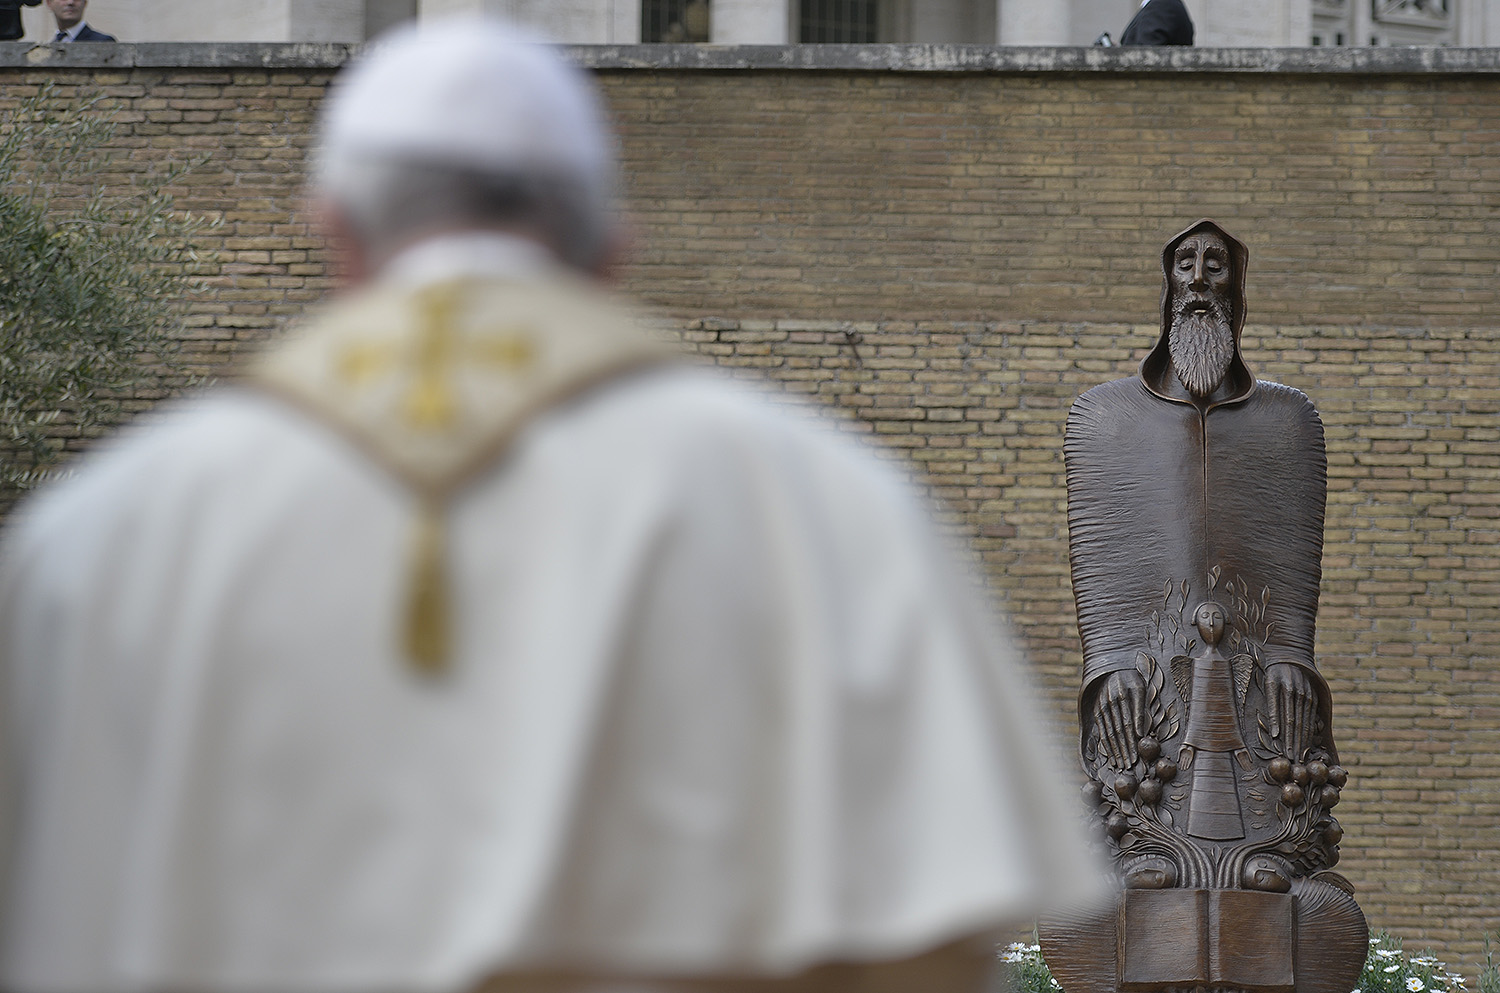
[1117, 825]
[1149, 793]
[1338, 776]
[1166, 770]
[1333, 834]
[1333, 857]
[1093, 793]
[1125, 785]
[1300, 775]
[1149, 748]
[1291, 795]
[1329, 797]
[1317, 772]
[1280, 768]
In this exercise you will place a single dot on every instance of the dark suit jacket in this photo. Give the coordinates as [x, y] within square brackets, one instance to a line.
[89, 35]
[1160, 22]
[10, 18]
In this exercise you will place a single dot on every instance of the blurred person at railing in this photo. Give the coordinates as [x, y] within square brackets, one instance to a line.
[11, 28]
[470, 642]
[1156, 22]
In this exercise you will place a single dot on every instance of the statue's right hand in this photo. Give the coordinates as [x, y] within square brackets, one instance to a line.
[1119, 714]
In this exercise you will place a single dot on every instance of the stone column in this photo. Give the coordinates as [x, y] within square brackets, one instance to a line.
[1026, 22]
[578, 22]
[382, 15]
[325, 20]
[751, 22]
[1364, 24]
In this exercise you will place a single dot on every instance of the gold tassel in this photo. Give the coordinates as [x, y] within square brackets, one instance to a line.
[428, 607]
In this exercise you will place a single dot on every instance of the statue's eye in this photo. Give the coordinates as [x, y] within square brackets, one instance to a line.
[1184, 264]
[1214, 264]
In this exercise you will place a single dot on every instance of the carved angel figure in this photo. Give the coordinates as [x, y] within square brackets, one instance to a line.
[1212, 689]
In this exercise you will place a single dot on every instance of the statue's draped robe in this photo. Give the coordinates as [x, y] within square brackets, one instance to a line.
[1159, 493]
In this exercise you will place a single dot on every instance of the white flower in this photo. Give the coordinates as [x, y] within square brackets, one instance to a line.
[1393, 968]
[1055, 984]
[1033, 948]
[1011, 957]
[1387, 953]
[1414, 984]
[1424, 960]
[1016, 946]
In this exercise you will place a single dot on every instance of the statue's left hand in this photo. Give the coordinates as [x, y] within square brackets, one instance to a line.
[1292, 705]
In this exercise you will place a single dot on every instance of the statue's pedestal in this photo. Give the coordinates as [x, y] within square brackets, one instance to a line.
[1311, 940]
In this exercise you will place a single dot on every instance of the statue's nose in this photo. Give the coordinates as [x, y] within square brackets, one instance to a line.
[1198, 281]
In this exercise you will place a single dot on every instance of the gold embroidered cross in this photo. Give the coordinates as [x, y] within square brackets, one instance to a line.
[430, 404]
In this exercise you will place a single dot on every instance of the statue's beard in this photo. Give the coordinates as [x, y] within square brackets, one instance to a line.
[1201, 344]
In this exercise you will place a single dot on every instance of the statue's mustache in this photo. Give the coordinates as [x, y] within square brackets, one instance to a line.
[1202, 305]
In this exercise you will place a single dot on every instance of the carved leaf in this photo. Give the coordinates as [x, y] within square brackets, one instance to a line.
[1265, 749]
[1256, 794]
[1166, 816]
[1259, 825]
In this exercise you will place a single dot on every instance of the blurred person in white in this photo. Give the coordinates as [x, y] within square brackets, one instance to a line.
[468, 643]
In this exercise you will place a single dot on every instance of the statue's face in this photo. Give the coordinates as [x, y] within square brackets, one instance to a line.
[1201, 330]
[1210, 621]
[1200, 271]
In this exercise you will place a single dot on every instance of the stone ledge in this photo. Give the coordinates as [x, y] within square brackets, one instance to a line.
[804, 58]
[1018, 59]
[174, 55]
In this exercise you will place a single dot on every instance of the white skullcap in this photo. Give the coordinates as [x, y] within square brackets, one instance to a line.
[472, 93]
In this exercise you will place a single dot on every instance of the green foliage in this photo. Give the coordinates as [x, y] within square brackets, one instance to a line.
[92, 277]
[1387, 969]
[1026, 971]
[1489, 973]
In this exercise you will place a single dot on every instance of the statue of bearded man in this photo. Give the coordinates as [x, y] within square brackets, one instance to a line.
[1193, 481]
[1195, 528]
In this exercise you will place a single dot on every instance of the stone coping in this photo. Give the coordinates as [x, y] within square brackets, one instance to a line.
[803, 58]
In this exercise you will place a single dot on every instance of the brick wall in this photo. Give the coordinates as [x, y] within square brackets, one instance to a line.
[948, 258]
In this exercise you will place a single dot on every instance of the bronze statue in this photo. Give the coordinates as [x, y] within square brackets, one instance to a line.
[1195, 521]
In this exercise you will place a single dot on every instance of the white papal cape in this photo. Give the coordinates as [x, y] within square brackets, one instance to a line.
[713, 704]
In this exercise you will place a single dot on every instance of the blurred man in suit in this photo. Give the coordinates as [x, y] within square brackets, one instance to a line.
[70, 23]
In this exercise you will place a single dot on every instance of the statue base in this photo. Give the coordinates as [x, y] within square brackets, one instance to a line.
[1310, 940]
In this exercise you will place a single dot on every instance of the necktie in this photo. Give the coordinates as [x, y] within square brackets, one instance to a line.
[61, 36]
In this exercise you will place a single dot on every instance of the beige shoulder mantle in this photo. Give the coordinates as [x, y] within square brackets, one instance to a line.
[434, 383]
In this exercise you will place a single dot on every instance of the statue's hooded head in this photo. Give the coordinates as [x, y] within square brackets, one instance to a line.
[1202, 315]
